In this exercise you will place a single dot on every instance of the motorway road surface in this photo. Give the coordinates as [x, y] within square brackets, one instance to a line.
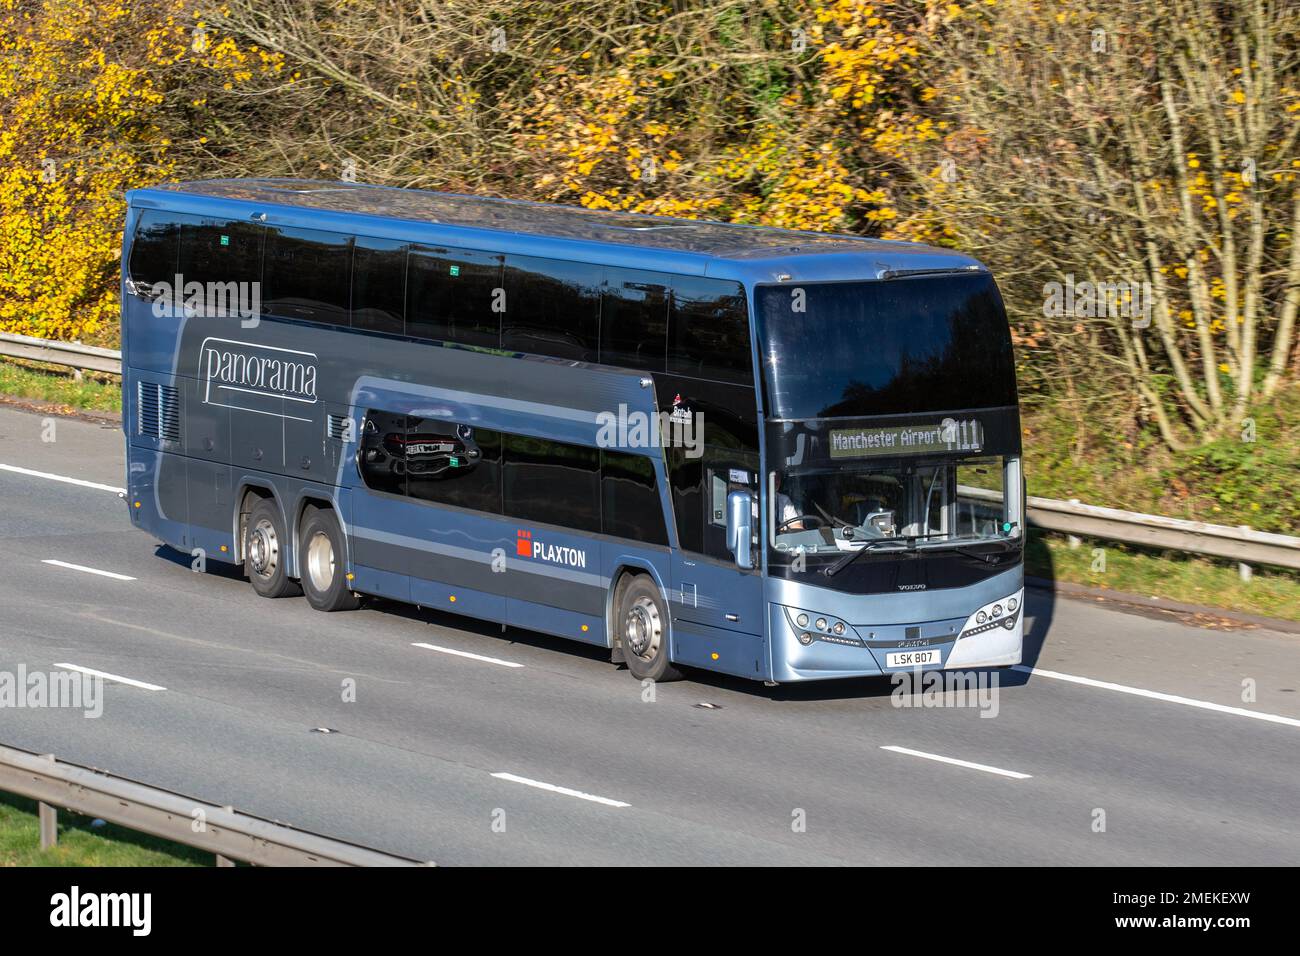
[428, 760]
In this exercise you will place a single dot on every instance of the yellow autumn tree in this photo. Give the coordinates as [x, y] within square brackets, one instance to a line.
[94, 96]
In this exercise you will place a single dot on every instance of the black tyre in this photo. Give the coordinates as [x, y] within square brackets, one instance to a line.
[641, 621]
[265, 552]
[321, 554]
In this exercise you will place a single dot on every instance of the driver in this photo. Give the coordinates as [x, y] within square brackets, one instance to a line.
[785, 509]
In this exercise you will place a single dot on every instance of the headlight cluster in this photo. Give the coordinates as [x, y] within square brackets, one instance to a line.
[810, 626]
[1003, 613]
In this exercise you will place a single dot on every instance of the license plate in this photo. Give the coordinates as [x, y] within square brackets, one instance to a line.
[913, 658]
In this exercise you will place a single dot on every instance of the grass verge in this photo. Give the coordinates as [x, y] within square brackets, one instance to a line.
[1169, 575]
[99, 393]
[80, 844]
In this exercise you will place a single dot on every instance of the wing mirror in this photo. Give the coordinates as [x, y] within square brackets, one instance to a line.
[740, 528]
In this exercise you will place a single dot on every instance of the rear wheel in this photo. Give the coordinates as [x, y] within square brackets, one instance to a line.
[320, 557]
[264, 551]
[642, 622]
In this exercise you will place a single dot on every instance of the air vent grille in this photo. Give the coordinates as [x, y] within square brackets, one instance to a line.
[338, 427]
[158, 411]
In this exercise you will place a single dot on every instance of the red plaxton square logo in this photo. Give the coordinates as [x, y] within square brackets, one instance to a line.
[524, 544]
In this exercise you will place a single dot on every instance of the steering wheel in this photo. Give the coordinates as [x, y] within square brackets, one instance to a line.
[798, 518]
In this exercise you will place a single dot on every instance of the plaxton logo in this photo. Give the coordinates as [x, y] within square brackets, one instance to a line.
[257, 378]
[526, 546]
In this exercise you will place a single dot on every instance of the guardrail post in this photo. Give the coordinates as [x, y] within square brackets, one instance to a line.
[1244, 569]
[49, 818]
[224, 860]
[1073, 540]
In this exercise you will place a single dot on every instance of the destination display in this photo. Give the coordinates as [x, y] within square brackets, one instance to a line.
[947, 435]
[962, 432]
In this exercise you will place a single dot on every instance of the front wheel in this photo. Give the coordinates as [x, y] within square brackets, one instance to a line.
[642, 621]
[321, 557]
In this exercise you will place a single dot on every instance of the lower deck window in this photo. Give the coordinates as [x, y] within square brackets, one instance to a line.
[518, 476]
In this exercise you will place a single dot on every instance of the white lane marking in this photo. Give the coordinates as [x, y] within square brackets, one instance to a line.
[113, 677]
[64, 478]
[81, 567]
[960, 763]
[1156, 695]
[473, 657]
[564, 790]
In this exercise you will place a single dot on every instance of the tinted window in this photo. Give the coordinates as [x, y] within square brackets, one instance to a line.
[220, 250]
[378, 285]
[634, 320]
[454, 464]
[383, 452]
[717, 413]
[709, 331]
[923, 344]
[630, 498]
[700, 487]
[552, 307]
[451, 296]
[686, 477]
[552, 482]
[306, 274]
[155, 249]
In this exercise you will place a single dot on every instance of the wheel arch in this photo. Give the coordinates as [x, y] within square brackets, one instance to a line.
[251, 491]
[625, 569]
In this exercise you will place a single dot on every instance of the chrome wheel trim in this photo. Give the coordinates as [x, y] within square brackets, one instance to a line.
[320, 561]
[643, 629]
[264, 548]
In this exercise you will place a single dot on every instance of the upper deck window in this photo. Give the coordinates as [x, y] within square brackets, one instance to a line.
[378, 285]
[856, 349]
[634, 319]
[307, 274]
[453, 295]
[551, 307]
[709, 331]
[155, 248]
[220, 250]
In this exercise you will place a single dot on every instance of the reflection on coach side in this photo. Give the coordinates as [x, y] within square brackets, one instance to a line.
[395, 448]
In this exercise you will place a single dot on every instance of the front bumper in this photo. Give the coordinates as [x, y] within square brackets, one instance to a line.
[961, 643]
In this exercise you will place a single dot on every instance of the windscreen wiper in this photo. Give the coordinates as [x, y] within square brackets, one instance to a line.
[988, 557]
[908, 542]
[1002, 546]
